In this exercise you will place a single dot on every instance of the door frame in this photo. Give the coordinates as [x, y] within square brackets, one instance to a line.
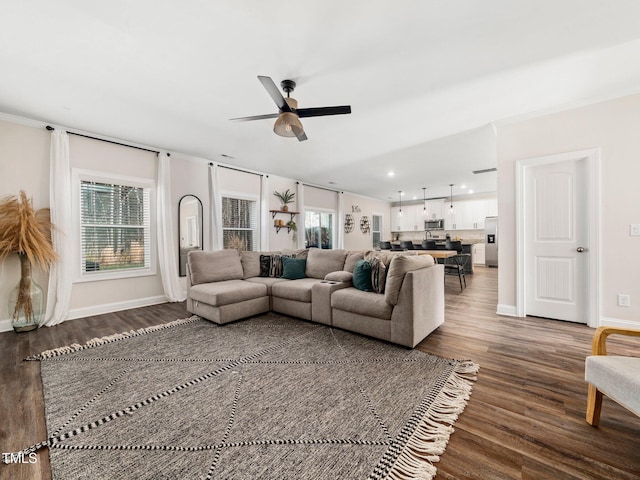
[592, 157]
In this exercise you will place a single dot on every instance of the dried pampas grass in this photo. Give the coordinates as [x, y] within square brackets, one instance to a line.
[25, 231]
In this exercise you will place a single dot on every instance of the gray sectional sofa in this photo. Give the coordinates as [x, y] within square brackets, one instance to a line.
[226, 285]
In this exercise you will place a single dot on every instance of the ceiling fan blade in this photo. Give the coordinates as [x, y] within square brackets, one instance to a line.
[256, 117]
[274, 93]
[322, 111]
[300, 134]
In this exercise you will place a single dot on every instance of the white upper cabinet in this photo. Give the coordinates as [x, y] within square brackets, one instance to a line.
[470, 214]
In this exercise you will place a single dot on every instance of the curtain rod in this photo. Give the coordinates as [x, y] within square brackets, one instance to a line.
[321, 188]
[50, 128]
[240, 170]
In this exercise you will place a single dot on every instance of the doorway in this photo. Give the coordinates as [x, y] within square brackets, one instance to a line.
[557, 247]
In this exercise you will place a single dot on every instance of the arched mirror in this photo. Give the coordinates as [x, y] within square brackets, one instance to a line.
[190, 228]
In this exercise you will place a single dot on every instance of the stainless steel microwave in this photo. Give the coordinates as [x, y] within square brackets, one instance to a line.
[436, 224]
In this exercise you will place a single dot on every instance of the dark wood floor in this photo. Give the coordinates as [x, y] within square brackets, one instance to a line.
[525, 419]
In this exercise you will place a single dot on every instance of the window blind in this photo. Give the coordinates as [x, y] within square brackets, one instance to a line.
[115, 227]
[239, 223]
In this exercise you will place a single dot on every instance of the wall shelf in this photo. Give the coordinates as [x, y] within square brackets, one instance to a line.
[287, 212]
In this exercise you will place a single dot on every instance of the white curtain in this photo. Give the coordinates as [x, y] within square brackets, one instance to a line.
[301, 228]
[264, 213]
[340, 232]
[215, 200]
[60, 274]
[167, 248]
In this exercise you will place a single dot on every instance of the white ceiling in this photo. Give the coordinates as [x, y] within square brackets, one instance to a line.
[425, 78]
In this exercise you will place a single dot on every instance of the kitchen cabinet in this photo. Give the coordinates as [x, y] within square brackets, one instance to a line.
[411, 220]
[470, 214]
[478, 253]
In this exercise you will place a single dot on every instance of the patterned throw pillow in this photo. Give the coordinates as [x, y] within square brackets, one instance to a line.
[271, 265]
[265, 265]
[378, 275]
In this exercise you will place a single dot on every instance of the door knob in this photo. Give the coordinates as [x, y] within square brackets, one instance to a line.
[580, 249]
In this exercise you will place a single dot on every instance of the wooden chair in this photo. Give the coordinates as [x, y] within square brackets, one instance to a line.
[614, 376]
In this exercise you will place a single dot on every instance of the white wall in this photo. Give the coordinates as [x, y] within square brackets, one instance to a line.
[24, 164]
[613, 127]
[356, 240]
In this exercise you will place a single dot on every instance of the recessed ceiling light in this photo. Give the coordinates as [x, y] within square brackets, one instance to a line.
[390, 174]
[415, 198]
[331, 183]
[463, 186]
[226, 156]
[470, 191]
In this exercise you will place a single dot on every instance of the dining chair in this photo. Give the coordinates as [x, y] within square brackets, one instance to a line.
[617, 377]
[385, 245]
[429, 245]
[455, 265]
[406, 245]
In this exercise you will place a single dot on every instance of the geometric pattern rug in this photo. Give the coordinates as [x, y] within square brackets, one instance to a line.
[270, 397]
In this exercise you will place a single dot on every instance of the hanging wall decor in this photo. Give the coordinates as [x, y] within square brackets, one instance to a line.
[364, 225]
[349, 222]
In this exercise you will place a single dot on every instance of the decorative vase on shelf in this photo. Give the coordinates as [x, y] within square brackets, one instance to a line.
[285, 208]
[26, 300]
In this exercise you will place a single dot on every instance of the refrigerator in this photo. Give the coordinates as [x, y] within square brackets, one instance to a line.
[491, 241]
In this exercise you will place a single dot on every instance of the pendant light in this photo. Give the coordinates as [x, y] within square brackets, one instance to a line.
[400, 197]
[288, 124]
[424, 201]
[451, 200]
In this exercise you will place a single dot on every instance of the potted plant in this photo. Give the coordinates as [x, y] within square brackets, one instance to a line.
[285, 198]
[27, 233]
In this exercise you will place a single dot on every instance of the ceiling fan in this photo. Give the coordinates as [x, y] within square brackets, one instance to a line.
[288, 118]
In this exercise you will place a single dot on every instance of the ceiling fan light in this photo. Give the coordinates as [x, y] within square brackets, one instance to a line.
[287, 125]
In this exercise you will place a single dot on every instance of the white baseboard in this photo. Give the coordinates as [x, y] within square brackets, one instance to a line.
[616, 322]
[115, 307]
[506, 310]
[5, 325]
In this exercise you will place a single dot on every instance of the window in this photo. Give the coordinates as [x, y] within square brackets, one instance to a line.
[239, 223]
[115, 226]
[318, 229]
[376, 230]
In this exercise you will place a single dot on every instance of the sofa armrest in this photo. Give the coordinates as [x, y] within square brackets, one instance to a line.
[420, 307]
[321, 299]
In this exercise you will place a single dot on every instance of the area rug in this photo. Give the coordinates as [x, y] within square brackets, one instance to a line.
[270, 397]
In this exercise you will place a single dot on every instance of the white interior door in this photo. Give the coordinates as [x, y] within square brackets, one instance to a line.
[556, 240]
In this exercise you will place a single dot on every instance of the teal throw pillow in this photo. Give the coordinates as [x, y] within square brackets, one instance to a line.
[293, 268]
[362, 276]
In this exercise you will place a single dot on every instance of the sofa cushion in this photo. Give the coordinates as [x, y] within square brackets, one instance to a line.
[320, 262]
[266, 281]
[362, 276]
[298, 290]
[364, 303]
[293, 268]
[251, 263]
[350, 261]
[399, 266]
[339, 276]
[216, 266]
[226, 292]
[295, 253]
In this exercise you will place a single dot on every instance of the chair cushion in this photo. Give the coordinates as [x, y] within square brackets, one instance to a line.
[298, 290]
[214, 266]
[226, 292]
[363, 303]
[616, 377]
